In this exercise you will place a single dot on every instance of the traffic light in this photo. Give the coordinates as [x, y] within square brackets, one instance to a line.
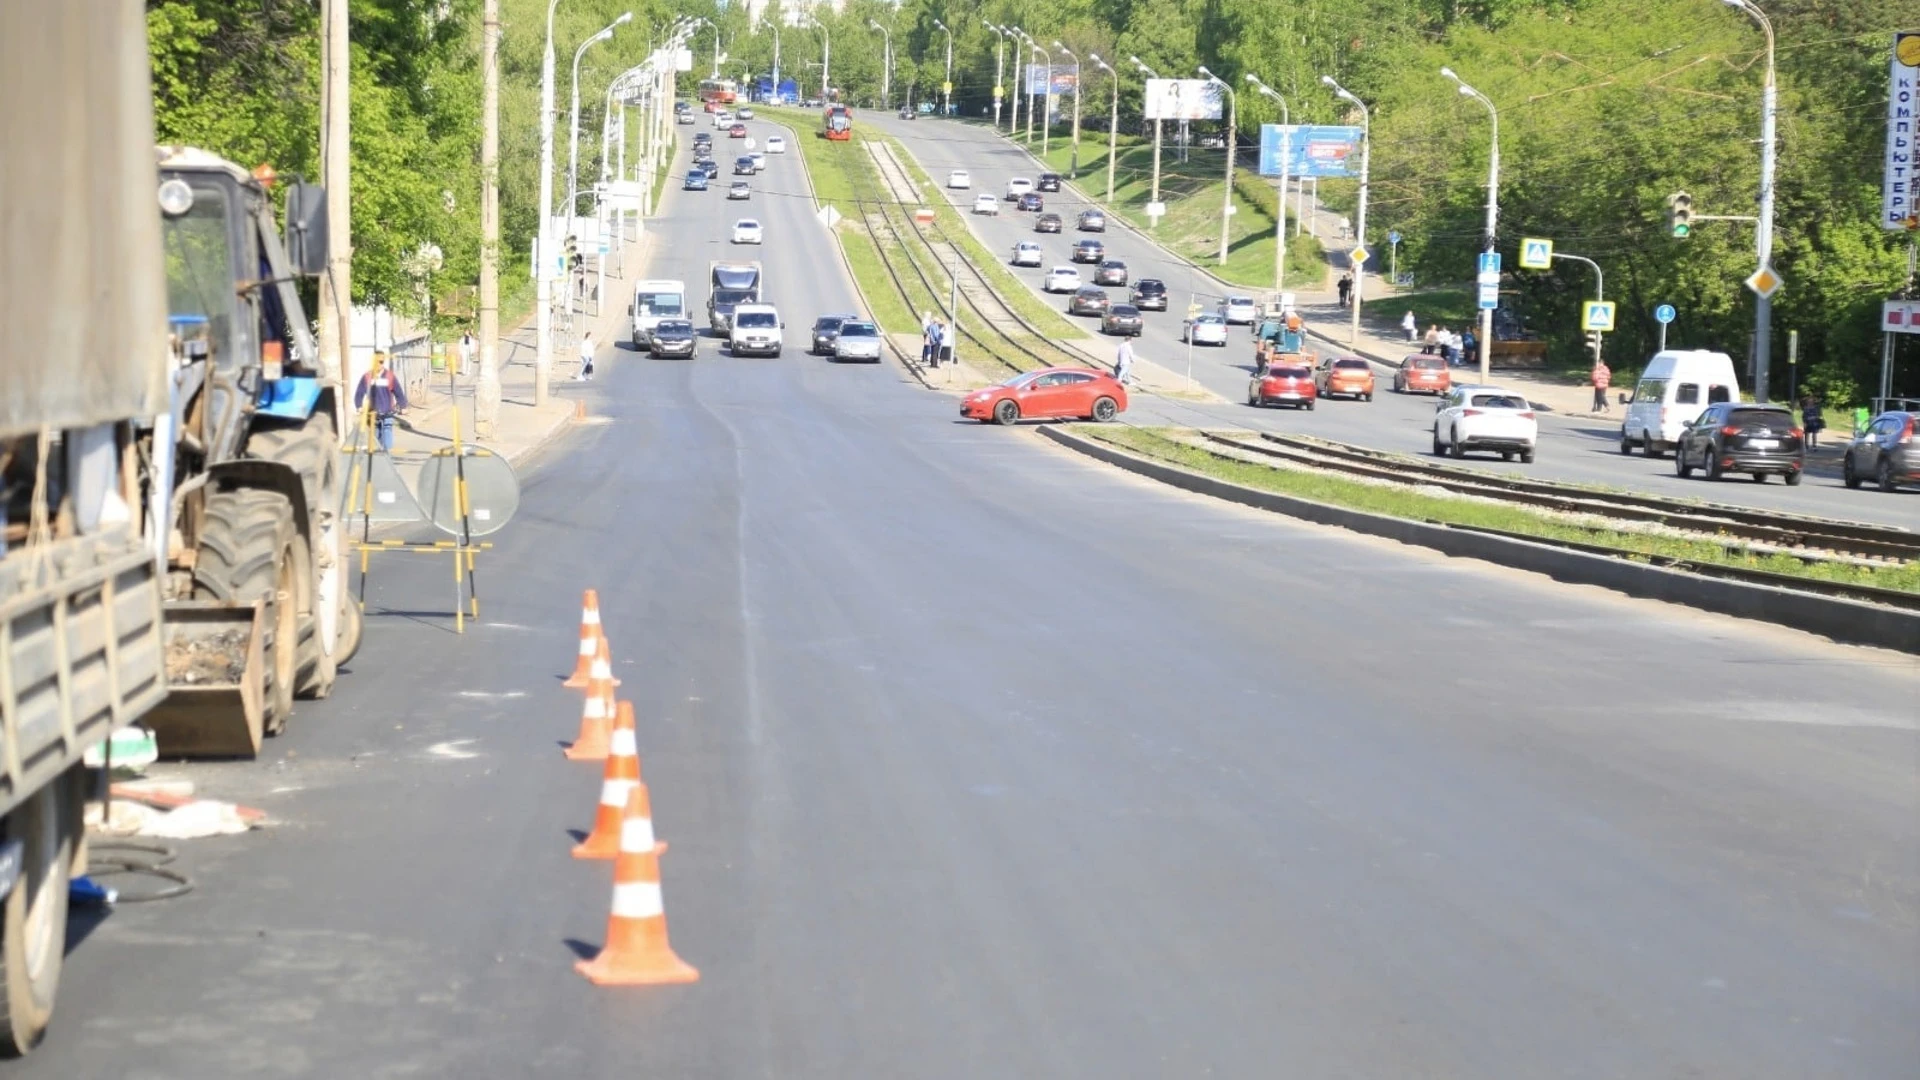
[1680, 215]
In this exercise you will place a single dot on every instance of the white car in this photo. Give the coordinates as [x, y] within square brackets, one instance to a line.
[1061, 279]
[1027, 253]
[776, 145]
[1208, 329]
[1485, 418]
[985, 204]
[1239, 310]
[759, 161]
[958, 180]
[746, 114]
[756, 330]
[746, 231]
[1017, 187]
[722, 119]
[740, 189]
[857, 340]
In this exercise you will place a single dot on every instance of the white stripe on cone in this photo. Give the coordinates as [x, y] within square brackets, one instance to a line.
[637, 900]
[596, 705]
[623, 744]
[614, 793]
[600, 668]
[636, 834]
[589, 646]
[591, 616]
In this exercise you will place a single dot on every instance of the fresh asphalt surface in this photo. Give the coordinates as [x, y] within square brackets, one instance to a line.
[979, 760]
[1579, 447]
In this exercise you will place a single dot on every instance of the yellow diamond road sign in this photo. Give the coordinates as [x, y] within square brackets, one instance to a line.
[1765, 282]
[1358, 255]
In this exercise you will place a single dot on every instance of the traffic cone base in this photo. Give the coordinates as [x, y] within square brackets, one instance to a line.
[637, 952]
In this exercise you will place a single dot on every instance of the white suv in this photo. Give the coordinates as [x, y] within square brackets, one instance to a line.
[984, 204]
[959, 180]
[1485, 418]
[1017, 187]
[1027, 253]
[756, 330]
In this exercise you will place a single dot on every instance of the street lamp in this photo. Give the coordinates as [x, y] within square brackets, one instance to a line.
[775, 23]
[1763, 233]
[1233, 122]
[999, 73]
[1033, 49]
[1073, 170]
[1280, 207]
[1113, 122]
[886, 65]
[573, 128]
[1493, 210]
[543, 282]
[826, 55]
[946, 87]
[1153, 219]
[1360, 231]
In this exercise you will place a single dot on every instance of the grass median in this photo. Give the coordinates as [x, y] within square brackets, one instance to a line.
[1168, 445]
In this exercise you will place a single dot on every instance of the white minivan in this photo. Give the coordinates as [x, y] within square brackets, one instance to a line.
[653, 301]
[1676, 387]
[756, 330]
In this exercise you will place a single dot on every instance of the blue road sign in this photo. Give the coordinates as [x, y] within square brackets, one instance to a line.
[1393, 237]
[1663, 314]
[1489, 262]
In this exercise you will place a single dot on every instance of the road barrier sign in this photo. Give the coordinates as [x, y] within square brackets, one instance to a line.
[1764, 282]
[1663, 314]
[1597, 315]
[1536, 253]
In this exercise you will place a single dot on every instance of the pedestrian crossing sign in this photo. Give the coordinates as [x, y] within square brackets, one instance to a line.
[1597, 315]
[1536, 253]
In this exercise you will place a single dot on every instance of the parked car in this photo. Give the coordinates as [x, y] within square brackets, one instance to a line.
[1049, 223]
[1122, 319]
[736, 131]
[671, 337]
[1092, 221]
[739, 189]
[746, 231]
[1049, 393]
[1150, 294]
[1485, 418]
[857, 340]
[1027, 253]
[1759, 440]
[1238, 310]
[1344, 376]
[1088, 300]
[743, 166]
[1284, 383]
[1089, 251]
[1424, 373]
[776, 145]
[1049, 181]
[1031, 201]
[1111, 272]
[1885, 453]
[959, 180]
[1205, 329]
[1061, 279]
[695, 181]
[1675, 387]
[826, 330]
[986, 204]
[1017, 187]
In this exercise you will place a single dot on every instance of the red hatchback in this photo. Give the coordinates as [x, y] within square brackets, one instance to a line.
[1283, 384]
[1422, 373]
[1048, 394]
[737, 131]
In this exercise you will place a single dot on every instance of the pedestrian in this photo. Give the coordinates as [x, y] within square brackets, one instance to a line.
[586, 358]
[1811, 420]
[1446, 347]
[926, 338]
[389, 398]
[1346, 227]
[1602, 377]
[467, 355]
[1469, 345]
[1430, 343]
[1411, 325]
[1346, 288]
[936, 337]
[1123, 362]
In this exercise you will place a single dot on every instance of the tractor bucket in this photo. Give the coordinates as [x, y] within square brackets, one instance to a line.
[215, 680]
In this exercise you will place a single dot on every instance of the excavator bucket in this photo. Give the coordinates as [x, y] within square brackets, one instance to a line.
[216, 671]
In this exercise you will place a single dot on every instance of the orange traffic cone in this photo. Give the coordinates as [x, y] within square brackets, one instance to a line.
[596, 724]
[636, 952]
[622, 776]
[602, 662]
[590, 635]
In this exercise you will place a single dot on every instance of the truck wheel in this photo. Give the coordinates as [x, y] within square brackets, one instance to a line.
[352, 622]
[308, 450]
[248, 552]
[34, 937]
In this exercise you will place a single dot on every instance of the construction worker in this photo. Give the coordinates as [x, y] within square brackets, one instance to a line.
[389, 399]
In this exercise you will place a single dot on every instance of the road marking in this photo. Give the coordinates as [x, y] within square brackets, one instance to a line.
[493, 693]
[453, 749]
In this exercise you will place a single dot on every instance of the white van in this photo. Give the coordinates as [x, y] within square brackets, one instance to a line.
[653, 301]
[756, 330]
[1676, 387]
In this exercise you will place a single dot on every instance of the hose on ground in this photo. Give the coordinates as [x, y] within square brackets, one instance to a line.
[109, 858]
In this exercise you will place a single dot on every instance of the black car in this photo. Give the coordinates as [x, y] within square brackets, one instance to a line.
[1885, 453]
[671, 337]
[1093, 221]
[696, 181]
[707, 165]
[1150, 294]
[1089, 251]
[1089, 300]
[743, 166]
[1047, 223]
[826, 331]
[906, 113]
[1122, 319]
[1049, 181]
[1111, 272]
[1029, 201]
[1733, 436]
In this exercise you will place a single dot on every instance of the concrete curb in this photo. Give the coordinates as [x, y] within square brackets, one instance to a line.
[1847, 621]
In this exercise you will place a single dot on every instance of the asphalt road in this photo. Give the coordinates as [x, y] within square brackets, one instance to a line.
[1579, 448]
[979, 760]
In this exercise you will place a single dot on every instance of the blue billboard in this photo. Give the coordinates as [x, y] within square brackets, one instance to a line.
[1313, 150]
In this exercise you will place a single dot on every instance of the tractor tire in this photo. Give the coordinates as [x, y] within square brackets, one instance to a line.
[33, 919]
[248, 552]
[308, 449]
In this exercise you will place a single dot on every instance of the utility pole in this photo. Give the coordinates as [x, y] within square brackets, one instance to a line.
[336, 287]
[999, 70]
[1073, 170]
[544, 242]
[1493, 213]
[1113, 123]
[1763, 234]
[486, 387]
[1153, 219]
[1360, 218]
[946, 88]
[1233, 122]
[1280, 203]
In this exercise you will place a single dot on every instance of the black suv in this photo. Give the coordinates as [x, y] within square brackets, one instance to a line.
[1734, 436]
[1150, 294]
[1049, 181]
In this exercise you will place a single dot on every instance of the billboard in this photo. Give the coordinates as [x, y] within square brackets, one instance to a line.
[1314, 150]
[1182, 99]
[1058, 80]
[1898, 203]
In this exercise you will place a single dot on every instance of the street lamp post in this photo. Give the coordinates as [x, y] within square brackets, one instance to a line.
[1073, 170]
[1233, 123]
[946, 87]
[1280, 205]
[826, 56]
[543, 281]
[573, 128]
[1113, 122]
[1763, 233]
[1032, 104]
[1493, 211]
[1360, 218]
[1153, 219]
[886, 65]
[999, 71]
[775, 23]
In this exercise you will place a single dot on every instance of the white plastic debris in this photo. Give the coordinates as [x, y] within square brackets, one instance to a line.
[202, 817]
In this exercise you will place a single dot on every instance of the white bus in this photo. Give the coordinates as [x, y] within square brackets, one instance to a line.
[653, 301]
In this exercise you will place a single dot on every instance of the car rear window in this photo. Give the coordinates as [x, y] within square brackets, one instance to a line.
[858, 329]
[1499, 401]
[1351, 365]
[1125, 309]
[828, 322]
[1287, 373]
[1774, 419]
[1427, 363]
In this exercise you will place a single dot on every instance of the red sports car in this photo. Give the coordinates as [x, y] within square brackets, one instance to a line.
[1048, 394]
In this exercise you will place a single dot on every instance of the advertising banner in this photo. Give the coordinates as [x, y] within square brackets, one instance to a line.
[1898, 202]
[1063, 78]
[1183, 99]
[1315, 150]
